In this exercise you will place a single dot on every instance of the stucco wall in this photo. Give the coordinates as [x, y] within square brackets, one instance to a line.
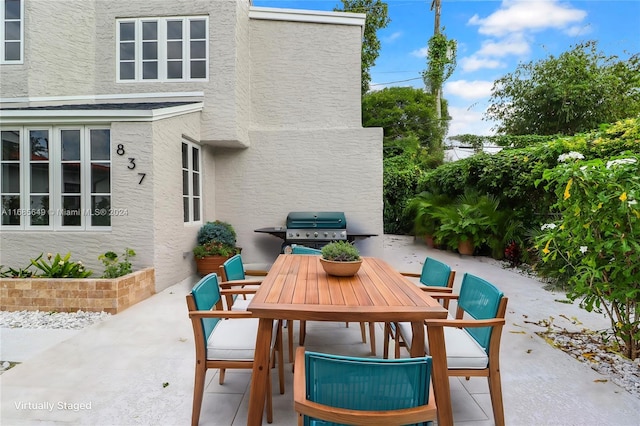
[300, 170]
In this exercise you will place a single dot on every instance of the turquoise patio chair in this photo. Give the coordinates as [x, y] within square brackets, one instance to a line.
[334, 389]
[297, 249]
[233, 274]
[435, 276]
[224, 339]
[472, 338]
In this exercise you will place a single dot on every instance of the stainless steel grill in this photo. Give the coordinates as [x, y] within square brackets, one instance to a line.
[314, 229]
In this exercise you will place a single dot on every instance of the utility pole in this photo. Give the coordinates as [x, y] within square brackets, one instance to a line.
[436, 7]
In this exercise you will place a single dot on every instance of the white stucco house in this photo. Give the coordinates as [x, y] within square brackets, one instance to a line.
[131, 123]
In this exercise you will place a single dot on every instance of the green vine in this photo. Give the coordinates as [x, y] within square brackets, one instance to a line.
[441, 61]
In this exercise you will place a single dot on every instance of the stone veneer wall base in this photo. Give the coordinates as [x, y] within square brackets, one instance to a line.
[73, 294]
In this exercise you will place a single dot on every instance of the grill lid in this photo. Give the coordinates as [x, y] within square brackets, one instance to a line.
[318, 220]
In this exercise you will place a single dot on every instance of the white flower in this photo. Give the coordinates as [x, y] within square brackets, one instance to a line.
[620, 161]
[49, 255]
[632, 202]
[61, 263]
[573, 155]
[80, 262]
[583, 249]
[548, 226]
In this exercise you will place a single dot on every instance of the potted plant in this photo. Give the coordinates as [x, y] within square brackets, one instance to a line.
[216, 243]
[466, 224]
[340, 258]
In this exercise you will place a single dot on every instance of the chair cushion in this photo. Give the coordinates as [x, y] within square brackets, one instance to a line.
[463, 352]
[240, 304]
[234, 339]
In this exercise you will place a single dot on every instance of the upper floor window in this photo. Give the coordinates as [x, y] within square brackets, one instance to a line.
[163, 49]
[55, 178]
[11, 31]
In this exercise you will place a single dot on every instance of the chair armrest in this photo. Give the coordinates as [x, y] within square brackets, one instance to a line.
[465, 323]
[256, 272]
[236, 291]
[345, 416]
[220, 314]
[436, 289]
[411, 274]
[447, 296]
[239, 283]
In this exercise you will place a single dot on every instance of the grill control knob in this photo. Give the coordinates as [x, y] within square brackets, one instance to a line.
[315, 234]
[334, 235]
[297, 234]
[326, 234]
[307, 234]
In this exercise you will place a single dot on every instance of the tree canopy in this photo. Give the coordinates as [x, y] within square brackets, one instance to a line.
[404, 112]
[377, 18]
[572, 93]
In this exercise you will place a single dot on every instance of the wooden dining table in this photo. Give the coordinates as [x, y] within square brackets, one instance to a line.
[297, 288]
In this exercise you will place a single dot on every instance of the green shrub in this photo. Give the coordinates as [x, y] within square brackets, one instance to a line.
[113, 267]
[60, 267]
[218, 231]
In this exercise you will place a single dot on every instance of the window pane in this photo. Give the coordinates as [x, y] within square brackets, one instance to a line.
[174, 30]
[12, 30]
[198, 50]
[198, 29]
[71, 178]
[150, 50]
[196, 184]
[185, 182]
[196, 209]
[70, 145]
[150, 70]
[100, 206]
[198, 69]
[195, 163]
[39, 210]
[174, 69]
[39, 177]
[10, 210]
[100, 177]
[127, 51]
[71, 211]
[127, 31]
[12, 51]
[100, 144]
[185, 209]
[10, 145]
[149, 30]
[11, 178]
[39, 145]
[185, 156]
[127, 71]
[12, 9]
[174, 50]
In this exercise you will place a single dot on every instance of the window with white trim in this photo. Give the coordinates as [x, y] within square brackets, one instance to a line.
[55, 178]
[11, 31]
[191, 183]
[162, 49]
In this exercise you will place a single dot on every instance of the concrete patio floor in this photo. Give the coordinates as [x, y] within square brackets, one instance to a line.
[136, 368]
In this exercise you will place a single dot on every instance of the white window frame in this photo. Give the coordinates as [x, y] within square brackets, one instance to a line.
[162, 41]
[3, 22]
[55, 178]
[190, 197]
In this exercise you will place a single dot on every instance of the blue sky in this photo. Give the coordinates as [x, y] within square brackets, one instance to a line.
[493, 38]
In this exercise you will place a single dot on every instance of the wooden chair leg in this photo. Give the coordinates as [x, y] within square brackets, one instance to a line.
[495, 391]
[221, 374]
[363, 332]
[198, 392]
[372, 337]
[290, 339]
[280, 357]
[386, 336]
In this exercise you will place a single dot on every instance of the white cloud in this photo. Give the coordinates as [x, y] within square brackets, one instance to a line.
[513, 45]
[474, 63]
[518, 16]
[420, 53]
[578, 30]
[392, 37]
[470, 90]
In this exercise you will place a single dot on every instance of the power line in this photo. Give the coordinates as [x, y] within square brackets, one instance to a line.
[398, 81]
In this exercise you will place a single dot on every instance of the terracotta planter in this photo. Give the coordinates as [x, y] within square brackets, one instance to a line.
[466, 247]
[340, 269]
[209, 264]
[428, 239]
